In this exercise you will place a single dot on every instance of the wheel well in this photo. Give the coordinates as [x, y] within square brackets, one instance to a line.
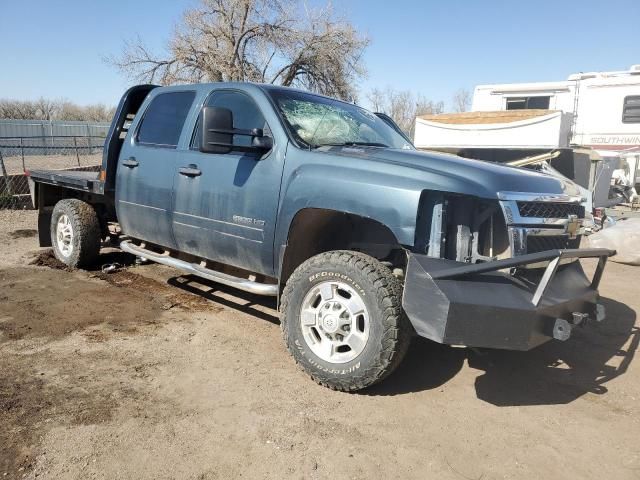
[48, 195]
[316, 230]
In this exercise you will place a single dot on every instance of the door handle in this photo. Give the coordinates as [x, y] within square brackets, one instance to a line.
[130, 162]
[190, 171]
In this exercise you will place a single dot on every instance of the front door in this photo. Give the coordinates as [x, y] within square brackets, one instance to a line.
[225, 204]
[146, 169]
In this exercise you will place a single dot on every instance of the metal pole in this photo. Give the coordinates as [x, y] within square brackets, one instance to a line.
[51, 139]
[75, 144]
[7, 180]
[22, 153]
[89, 139]
[44, 138]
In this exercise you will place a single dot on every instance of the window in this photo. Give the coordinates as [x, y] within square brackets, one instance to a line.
[523, 103]
[631, 109]
[246, 116]
[164, 119]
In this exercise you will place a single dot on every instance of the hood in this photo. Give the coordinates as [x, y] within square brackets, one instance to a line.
[447, 172]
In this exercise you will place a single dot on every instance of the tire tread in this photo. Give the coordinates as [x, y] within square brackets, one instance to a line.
[396, 335]
[87, 229]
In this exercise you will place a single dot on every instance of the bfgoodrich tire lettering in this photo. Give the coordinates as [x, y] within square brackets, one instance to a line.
[75, 232]
[388, 334]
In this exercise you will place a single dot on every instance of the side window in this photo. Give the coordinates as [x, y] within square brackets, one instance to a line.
[246, 116]
[631, 109]
[522, 103]
[163, 121]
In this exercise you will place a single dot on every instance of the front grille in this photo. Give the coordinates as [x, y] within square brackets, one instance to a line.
[550, 210]
[540, 243]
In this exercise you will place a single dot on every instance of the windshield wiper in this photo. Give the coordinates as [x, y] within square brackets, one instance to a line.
[351, 144]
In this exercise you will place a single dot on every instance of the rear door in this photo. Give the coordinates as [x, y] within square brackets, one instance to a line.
[225, 204]
[146, 169]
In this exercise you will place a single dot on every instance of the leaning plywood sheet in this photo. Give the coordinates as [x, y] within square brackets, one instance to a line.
[509, 129]
[467, 118]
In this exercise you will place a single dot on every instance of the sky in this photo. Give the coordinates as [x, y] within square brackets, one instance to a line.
[56, 48]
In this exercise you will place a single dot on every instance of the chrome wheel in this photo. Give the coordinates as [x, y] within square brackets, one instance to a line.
[64, 235]
[335, 322]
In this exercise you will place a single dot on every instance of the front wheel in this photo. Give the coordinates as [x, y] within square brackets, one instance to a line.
[342, 320]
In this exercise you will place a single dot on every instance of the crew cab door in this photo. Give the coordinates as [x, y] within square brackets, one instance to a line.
[146, 168]
[226, 204]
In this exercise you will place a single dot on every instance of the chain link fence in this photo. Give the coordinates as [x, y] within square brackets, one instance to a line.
[20, 154]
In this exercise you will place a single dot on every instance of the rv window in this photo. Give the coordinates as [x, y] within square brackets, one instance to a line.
[631, 109]
[523, 103]
[516, 103]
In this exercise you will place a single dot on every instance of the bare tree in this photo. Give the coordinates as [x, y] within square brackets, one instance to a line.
[461, 100]
[268, 41]
[46, 109]
[71, 111]
[403, 106]
[18, 110]
[378, 100]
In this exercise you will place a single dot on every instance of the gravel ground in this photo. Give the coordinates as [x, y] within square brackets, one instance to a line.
[147, 374]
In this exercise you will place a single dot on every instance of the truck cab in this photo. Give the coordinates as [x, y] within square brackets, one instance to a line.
[364, 240]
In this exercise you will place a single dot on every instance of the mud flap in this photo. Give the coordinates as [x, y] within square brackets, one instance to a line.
[44, 226]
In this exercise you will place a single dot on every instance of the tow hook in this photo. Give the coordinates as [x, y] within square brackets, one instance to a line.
[562, 328]
[578, 317]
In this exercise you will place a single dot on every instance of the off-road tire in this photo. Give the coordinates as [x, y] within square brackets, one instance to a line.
[86, 236]
[390, 330]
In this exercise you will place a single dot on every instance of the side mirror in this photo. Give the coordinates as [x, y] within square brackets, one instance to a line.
[217, 130]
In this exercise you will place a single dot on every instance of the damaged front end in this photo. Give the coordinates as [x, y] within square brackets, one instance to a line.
[471, 230]
[501, 274]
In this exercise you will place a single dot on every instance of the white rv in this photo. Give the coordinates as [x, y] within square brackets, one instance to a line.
[602, 108]
[599, 110]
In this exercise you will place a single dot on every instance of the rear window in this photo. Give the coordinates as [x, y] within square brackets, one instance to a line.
[163, 121]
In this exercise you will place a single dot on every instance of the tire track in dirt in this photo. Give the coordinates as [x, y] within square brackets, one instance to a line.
[42, 306]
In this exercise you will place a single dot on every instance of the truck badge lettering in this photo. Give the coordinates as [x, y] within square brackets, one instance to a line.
[254, 222]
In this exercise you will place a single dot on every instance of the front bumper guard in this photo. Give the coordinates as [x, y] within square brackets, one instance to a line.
[499, 304]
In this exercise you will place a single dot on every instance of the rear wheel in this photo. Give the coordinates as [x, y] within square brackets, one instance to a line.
[75, 232]
[342, 320]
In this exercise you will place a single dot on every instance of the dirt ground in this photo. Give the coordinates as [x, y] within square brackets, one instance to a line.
[147, 374]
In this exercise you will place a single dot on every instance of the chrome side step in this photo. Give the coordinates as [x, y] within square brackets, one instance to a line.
[219, 277]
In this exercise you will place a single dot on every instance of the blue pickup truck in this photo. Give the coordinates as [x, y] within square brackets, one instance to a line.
[365, 241]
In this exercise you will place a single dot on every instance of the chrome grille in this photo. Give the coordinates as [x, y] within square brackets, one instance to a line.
[550, 210]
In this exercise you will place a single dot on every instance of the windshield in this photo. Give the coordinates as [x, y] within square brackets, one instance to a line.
[316, 121]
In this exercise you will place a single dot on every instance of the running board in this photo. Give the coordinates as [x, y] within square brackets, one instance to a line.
[219, 277]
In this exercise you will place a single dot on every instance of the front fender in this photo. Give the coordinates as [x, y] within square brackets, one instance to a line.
[343, 189]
